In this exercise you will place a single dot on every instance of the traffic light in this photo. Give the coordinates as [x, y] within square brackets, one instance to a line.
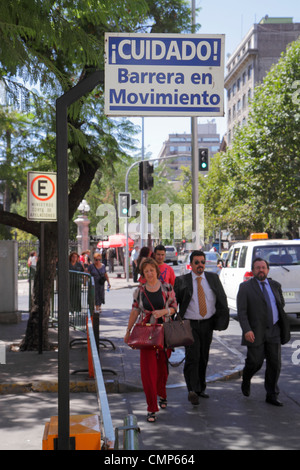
[124, 204]
[203, 159]
[145, 176]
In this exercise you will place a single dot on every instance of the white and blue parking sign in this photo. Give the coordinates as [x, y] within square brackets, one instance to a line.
[164, 74]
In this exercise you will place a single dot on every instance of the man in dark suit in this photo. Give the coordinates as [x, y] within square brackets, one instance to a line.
[202, 300]
[265, 327]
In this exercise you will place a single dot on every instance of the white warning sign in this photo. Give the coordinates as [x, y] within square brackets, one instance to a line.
[41, 196]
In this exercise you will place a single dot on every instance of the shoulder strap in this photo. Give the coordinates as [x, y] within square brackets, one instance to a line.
[144, 291]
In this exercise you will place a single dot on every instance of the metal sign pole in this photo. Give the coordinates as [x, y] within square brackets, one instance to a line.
[41, 286]
[62, 104]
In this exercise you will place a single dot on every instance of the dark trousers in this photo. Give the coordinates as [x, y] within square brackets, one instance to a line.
[271, 351]
[197, 355]
[134, 272]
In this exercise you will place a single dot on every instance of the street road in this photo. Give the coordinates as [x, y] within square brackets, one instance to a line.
[227, 420]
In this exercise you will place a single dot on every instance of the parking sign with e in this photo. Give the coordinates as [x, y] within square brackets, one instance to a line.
[41, 196]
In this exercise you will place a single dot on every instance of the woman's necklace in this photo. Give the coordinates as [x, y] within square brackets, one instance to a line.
[152, 287]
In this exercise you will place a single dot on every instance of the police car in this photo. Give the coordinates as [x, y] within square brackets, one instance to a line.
[283, 257]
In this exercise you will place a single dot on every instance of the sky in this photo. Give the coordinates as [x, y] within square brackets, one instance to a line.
[233, 18]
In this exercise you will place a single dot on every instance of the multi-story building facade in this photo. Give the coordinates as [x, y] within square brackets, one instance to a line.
[180, 145]
[250, 62]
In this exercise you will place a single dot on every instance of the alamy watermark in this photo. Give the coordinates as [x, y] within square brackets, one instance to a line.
[296, 354]
[161, 221]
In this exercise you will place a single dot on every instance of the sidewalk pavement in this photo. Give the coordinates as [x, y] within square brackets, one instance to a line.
[32, 372]
[227, 421]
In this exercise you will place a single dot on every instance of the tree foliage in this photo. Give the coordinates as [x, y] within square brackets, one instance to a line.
[254, 186]
[52, 46]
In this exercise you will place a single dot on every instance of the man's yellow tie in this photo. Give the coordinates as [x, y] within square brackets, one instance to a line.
[201, 298]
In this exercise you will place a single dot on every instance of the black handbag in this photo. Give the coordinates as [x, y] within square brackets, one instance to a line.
[178, 333]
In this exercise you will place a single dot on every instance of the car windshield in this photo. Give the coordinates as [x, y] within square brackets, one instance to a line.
[279, 254]
[211, 256]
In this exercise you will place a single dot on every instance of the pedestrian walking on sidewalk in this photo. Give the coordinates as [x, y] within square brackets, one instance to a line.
[201, 300]
[144, 253]
[98, 271]
[76, 279]
[133, 258]
[152, 301]
[265, 327]
[166, 272]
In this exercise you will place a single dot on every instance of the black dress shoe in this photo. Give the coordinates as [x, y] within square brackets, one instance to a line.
[193, 398]
[203, 395]
[246, 388]
[273, 401]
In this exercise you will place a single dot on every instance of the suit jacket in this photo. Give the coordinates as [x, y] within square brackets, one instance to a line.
[252, 311]
[183, 288]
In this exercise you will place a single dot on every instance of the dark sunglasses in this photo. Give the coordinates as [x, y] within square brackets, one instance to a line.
[198, 262]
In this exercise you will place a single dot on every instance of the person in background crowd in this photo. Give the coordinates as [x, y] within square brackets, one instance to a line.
[111, 259]
[133, 258]
[166, 272]
[98, 271]
[75, 268]
[31, 263]
[85, 259]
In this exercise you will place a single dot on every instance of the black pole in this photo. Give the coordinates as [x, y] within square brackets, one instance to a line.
[41, 285]
[62, 103]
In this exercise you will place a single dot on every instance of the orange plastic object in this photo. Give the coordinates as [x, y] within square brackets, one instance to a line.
[84, 428]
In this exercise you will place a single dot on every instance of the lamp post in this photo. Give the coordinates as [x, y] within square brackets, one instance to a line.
[82, 223]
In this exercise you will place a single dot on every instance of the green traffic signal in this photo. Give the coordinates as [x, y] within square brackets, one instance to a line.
[203, 159]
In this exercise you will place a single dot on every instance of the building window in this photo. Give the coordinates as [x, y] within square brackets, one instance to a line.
[249, 72]
[244, 77]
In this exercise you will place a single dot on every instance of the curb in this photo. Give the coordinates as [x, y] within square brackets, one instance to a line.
[112, 386]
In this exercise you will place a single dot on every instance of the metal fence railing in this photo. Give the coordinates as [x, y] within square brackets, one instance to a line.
[109, 436]
[81, 299]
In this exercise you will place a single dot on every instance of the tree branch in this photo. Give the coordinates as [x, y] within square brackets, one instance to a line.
[17, 221]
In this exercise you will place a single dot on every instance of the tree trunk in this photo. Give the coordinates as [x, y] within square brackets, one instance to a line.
[31, 340]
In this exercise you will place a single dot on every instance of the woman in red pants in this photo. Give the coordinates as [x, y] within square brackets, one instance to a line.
[153, 301]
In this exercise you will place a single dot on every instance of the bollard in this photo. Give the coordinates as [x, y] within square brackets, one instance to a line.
[90, 356]
[130, 438]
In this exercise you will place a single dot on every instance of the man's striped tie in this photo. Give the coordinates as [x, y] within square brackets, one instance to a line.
[201, 298]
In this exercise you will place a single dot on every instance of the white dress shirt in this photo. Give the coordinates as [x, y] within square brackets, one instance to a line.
[192, 312]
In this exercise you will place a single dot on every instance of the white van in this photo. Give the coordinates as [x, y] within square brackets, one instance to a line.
[284, 259]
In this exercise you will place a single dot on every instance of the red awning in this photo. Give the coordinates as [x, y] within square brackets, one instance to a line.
[116, 241]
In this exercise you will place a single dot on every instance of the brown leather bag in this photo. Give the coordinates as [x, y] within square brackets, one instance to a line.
[178, 333]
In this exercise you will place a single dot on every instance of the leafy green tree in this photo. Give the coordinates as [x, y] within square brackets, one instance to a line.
[254, 186]
[58, 44]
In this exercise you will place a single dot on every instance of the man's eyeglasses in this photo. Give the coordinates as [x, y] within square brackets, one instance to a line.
[198, 262]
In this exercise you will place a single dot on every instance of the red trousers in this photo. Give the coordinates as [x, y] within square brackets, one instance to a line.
[154, 374]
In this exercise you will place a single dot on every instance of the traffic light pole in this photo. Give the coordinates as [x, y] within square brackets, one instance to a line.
[195, 159]
[142, 201]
